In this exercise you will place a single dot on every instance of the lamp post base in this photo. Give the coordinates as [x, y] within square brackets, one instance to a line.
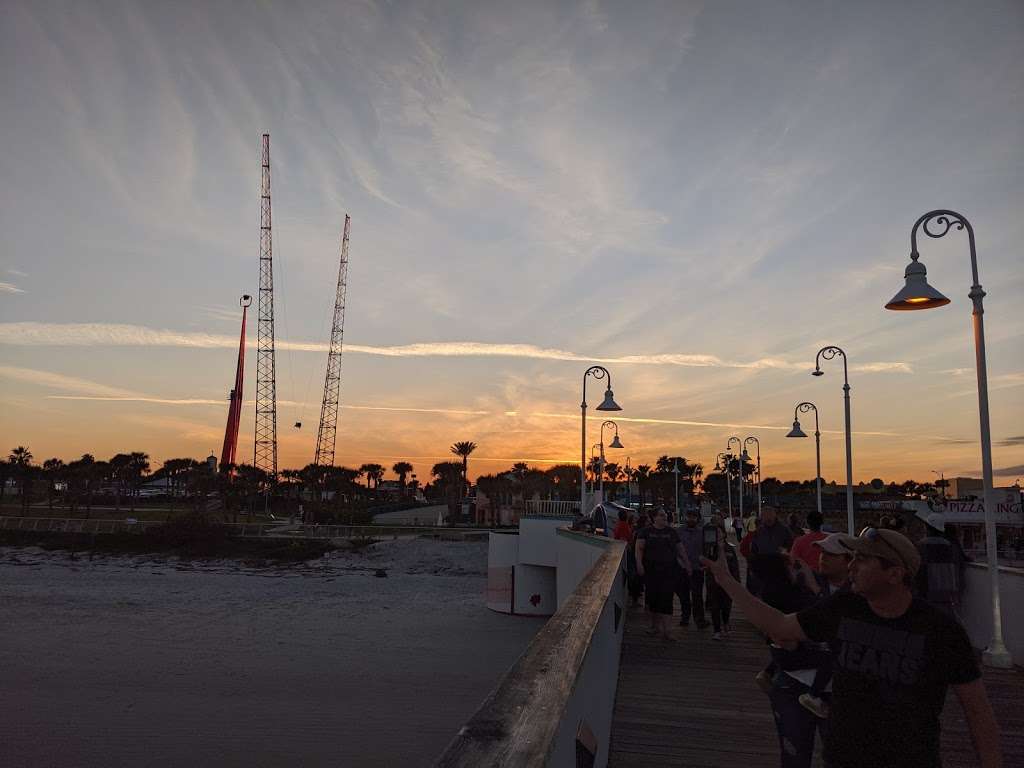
[997, 656]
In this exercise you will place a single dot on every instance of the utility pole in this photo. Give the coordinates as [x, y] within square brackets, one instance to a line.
[325, 436]
[265, 451]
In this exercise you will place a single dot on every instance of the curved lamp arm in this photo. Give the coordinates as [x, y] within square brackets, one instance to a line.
[806, 407]
[945, 219]
[598, 372]
[828, 353]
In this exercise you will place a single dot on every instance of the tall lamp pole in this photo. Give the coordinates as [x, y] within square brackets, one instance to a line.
[609, 404]
[724, 458]
[917, 294]
[739, 457]
[756, 442]
[828, 353]
[613, 444]
[804, 407]
[675, 471]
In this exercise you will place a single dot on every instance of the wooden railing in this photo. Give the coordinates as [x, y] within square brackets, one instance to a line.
[554, 706]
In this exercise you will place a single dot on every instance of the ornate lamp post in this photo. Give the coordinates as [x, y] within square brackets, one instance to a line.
[758, 444]
[828, 353]
[917, 294]
[724, 467]
[739, 457]
[608, 404]
[613, 444]
[804, 407]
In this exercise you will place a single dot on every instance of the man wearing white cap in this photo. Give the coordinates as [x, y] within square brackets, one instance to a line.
[895, 657]
[940, 578]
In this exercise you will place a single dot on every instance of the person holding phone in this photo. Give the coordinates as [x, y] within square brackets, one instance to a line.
[719, 602]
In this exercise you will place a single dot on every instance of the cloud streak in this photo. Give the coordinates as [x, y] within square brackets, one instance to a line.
[116, 334]
[10, 288]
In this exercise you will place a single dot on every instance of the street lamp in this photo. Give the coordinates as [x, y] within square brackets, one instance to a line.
[917, 294]
[804, 407]
[942, 482]
[739, 455]
[724, 458]
[828, 353]
[613, 444]
[675, 471]
[758, 444]
[608, 404]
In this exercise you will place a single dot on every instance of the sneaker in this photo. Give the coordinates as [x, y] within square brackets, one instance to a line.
[726, 629]
[764, 681]
[716, 636]
[814, 704]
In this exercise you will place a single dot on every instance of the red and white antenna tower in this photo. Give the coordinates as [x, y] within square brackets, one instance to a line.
[325, 436]
[227, 453]
[266, 383]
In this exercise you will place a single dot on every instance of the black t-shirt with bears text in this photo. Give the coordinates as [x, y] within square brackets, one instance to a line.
[890, 679]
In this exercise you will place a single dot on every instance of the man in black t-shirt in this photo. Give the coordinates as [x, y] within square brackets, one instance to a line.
[894, 657]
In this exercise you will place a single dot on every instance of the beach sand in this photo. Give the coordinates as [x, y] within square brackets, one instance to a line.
[147, 661]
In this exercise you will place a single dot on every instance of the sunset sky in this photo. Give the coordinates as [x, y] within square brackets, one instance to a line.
[698, 196]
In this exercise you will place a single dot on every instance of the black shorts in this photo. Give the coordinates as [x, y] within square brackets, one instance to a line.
[659, 587]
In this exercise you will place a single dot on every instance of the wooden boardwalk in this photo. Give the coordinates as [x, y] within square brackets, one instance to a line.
[694, 704]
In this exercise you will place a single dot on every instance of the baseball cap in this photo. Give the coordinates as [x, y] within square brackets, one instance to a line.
[836, 544]
[935, 519]
[887, 545]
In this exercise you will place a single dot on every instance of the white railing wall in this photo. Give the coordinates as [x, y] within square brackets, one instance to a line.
[976, 611]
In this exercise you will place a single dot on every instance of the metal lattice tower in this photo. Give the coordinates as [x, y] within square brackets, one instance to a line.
[325, 437]
[266, 383]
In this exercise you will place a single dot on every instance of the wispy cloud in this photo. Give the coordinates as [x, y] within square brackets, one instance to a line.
[10, 288]
[114, 334]
[58, 381]
[719, 424]
[16, 272]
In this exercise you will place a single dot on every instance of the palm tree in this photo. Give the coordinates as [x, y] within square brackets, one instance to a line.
[401, 468]
[54, 469]
[642, 474]
[450, 478]
[463, 449]
[21, 459]
[138, 466]
[373, 472]
[118, 466]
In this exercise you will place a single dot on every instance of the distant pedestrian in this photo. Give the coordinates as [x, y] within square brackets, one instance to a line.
[940, 579]
[719, 602]
[623, 530]
[803, 546]
[795, 527]
[771, 535]
[690, 587]
[660, 557]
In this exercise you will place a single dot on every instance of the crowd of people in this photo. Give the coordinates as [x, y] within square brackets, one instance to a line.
[862, 632]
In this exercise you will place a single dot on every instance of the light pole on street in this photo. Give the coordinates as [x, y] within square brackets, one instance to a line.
[917, 294]
[804, 407]
[758, 444]
[724, 467]
[739, 458]
[608, 404]
[613, 444]
[828, 353]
